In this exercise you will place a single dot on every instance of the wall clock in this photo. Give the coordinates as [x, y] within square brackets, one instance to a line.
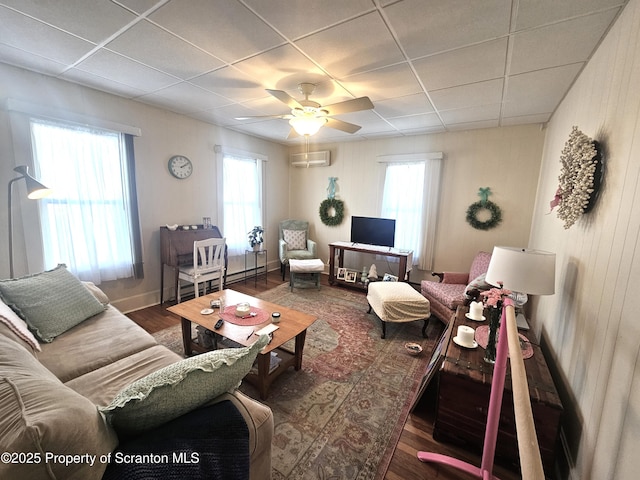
[180, 166]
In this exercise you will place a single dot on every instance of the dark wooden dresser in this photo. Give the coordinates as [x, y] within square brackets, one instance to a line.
[464, 386]
[176, 250]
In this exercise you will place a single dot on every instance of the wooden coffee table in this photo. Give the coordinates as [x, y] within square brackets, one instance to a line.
[293, 325]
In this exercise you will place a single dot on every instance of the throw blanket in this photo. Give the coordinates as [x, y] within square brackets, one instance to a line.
[17, 325]
[211, 442]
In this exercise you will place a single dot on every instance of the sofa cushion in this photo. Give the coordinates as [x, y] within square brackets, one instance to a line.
[40, 415]
[50, 302]
[102, 385]
[449, 294]
[94, 343]
[180, 388]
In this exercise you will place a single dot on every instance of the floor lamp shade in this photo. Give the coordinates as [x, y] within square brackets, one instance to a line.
[523, 270]
[35, 190]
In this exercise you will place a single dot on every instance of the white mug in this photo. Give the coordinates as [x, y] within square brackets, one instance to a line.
[466, 335]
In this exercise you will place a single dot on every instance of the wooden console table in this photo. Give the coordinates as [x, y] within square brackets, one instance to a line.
[405, 259]
[463, 399]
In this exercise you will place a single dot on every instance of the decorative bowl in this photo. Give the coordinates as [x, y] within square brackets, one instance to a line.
[172, 227]
[413, 348]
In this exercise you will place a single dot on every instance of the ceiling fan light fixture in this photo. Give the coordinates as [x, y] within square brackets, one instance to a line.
[307, 125]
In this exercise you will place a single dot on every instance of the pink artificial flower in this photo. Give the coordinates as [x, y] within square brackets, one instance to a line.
[494, 296]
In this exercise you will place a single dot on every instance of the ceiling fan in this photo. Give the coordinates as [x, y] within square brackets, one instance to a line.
[307, 116]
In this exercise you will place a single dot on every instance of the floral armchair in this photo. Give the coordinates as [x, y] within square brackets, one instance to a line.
[294, 242]
[454, 287]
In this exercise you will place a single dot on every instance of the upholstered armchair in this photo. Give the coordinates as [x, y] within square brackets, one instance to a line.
[455, 288]
[294, 242]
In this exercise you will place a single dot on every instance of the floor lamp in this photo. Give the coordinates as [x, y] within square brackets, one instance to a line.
[524, 271]
[35, 190]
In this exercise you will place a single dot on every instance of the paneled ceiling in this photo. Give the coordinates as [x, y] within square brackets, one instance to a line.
[427, 65]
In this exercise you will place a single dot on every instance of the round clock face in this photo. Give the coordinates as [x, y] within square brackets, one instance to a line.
[180, 166]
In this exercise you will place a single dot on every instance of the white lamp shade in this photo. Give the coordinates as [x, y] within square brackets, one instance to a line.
[522, 270]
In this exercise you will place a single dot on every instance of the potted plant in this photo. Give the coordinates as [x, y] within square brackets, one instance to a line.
[255, 237]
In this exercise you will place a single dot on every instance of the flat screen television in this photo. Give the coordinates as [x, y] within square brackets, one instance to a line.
[373, 231]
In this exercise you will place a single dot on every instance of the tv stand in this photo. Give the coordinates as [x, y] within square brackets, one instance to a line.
[405, 258]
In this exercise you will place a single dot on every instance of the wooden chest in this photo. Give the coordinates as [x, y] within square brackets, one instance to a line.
[463, 399]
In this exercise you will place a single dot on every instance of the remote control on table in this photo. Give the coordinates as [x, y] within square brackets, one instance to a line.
[218, 324]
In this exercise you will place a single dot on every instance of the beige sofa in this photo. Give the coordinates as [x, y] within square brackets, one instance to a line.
[49, 398]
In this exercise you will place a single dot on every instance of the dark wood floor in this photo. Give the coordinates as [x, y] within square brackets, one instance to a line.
[417, 433]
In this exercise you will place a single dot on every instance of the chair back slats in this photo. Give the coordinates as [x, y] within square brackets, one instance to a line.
[207, 255]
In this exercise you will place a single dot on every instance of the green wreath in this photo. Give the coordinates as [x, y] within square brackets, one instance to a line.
[325, 208]
[475, 208]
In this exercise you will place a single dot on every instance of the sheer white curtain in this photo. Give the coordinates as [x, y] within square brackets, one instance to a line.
[86, 221]
[410, 195]
[242, 200]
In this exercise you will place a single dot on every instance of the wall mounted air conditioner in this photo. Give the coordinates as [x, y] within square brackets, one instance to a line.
[313, 159]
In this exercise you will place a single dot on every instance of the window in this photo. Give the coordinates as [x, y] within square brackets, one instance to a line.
[90, 222]
[410, 195]
[241, 199]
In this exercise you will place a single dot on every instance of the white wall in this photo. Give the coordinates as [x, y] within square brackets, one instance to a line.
[591, 323]
[162, 199]
[505, 159]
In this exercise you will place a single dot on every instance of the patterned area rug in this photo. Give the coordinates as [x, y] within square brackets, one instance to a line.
[341, 416]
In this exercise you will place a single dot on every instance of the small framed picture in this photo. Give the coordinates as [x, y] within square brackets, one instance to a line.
[351, 277]
[341, 273]
[389, 278]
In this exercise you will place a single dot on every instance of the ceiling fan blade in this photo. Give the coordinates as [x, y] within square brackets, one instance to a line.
[285, 98]
[343, 126]
[348, 106]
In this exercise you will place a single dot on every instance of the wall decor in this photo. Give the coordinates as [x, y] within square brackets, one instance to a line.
[484, 204]
[331, 209]
[579, 178]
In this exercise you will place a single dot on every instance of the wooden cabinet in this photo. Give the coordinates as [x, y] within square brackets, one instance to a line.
[464, 387]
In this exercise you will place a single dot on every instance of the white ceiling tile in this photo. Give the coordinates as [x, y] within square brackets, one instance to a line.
[101, 83]
[538, 92]
[29, 61]
[390, 82]
[139, 6]
[402, 106]
[231, 83]
[567, 42]
[481, 93]
[473, 125]
[451, 24]
[282, 68]
[365, 52]
[149, 44]
[94, 21]
[295, 19]
[184, 97]
[526, 119]
[416, 121]
[484, 61]
[534, 13]
[472, 114]
[115, 67]
[227, 30]
[26, 34]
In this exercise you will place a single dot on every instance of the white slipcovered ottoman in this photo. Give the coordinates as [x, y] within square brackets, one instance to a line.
[313, 266]
[398, 302]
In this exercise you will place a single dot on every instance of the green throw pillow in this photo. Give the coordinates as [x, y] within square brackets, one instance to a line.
[51, 302]
[179, 388]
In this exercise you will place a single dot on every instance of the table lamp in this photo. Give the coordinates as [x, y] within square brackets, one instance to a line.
[35, 190]
[524, 271]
